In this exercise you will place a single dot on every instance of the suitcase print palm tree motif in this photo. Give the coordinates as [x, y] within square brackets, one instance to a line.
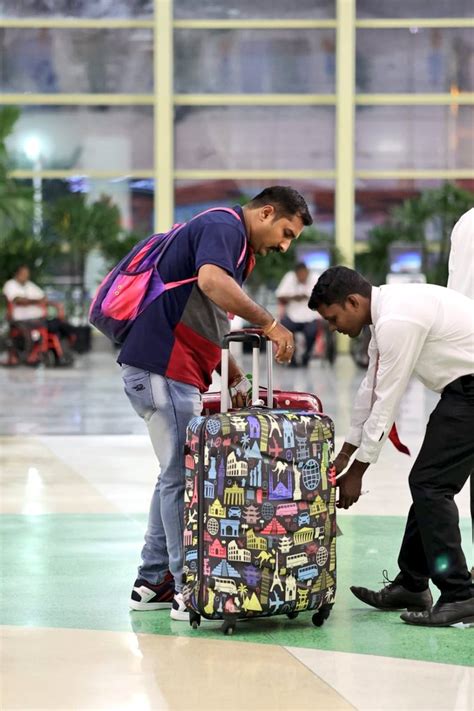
[260, 520]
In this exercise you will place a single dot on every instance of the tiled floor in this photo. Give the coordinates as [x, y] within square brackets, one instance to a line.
[77, 472]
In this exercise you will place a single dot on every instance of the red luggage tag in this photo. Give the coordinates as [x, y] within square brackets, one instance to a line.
[393, 434]
[395, 440]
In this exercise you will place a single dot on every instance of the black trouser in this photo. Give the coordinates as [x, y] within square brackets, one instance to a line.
[309, 328]
[431, 546]
[61, 328]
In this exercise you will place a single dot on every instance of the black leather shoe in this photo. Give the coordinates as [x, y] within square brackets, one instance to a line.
[394, 596]
[443, 614]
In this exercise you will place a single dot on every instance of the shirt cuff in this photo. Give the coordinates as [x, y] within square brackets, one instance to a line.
[369, 456]
[354, 436]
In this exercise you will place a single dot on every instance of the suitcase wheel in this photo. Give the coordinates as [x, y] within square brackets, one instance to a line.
[292, 615]
[321, 615]
[228, 627]
[194, 619]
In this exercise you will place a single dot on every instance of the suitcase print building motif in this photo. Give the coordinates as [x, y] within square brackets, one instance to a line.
[260, 513]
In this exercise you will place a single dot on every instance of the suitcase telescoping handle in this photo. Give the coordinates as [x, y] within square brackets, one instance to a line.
[254, 337]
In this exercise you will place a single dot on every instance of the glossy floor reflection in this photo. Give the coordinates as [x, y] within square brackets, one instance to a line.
[138, 672]
[77, 472]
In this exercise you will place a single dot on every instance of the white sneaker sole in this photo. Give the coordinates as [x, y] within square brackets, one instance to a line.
[134, 605]
[179, 615]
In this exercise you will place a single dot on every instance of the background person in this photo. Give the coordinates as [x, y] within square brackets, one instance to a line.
[28, 308]
[293, 293]
[27, 299]
[426, 331]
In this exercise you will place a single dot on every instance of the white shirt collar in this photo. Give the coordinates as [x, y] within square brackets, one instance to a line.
[374, 304]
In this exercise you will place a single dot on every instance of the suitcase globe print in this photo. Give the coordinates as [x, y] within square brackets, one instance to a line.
[260, 523]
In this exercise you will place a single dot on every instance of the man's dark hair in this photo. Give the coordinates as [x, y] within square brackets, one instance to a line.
[334, 286]
[286, 201]
[300, 266]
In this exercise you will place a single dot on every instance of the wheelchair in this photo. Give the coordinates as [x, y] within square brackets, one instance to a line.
[39, 342]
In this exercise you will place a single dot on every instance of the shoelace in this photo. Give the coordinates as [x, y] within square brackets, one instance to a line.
[386, 580]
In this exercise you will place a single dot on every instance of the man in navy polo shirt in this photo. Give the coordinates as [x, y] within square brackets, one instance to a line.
[174, 346]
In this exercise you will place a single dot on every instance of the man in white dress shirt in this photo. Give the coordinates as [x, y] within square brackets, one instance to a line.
[27, 299]
[425, 331]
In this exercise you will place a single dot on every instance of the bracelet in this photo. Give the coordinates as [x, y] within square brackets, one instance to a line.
[345, 455]
[268, 330]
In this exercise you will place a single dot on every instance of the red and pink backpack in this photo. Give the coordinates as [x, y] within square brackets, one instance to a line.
[135, 283]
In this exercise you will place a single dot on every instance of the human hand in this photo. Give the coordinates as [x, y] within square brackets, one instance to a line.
[350, 486]
[240, 391]
[283, 338]
[341, 462]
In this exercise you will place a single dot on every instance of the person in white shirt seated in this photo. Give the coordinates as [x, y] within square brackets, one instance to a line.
[425, 331]
[293, 293]
[28, 309]
[28, 302]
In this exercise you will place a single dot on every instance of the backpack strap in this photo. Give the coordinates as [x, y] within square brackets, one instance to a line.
[235, 214]
[173, 284]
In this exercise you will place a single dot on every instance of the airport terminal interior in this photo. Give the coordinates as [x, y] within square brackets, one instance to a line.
[119, 118]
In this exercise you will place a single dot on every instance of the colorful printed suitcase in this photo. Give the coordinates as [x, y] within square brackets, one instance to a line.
[260, 517]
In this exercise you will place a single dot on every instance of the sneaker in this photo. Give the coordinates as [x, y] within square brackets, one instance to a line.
[179, 611]
[146, 596]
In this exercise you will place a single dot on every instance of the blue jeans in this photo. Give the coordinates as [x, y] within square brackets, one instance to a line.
[166, 406]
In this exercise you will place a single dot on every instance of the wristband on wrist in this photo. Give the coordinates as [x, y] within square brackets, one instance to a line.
[345, 455]
[236, 380]
[266, 331]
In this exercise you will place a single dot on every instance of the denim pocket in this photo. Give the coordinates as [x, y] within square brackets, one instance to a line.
[137, 386]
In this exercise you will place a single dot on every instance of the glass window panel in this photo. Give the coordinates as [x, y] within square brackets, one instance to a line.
[59, 273]
[414, 8]
[254, 137]
[133, 196]
[375, 200]
[255, 61]
[414, 137]
[88, 138]
[68, 61]
[245, 9]
[426, 60]
[77, 8]
[193, 196]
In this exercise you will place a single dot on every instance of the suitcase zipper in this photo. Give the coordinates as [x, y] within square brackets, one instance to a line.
[200, 475]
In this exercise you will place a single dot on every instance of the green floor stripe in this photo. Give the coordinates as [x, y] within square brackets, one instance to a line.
[76, 571]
